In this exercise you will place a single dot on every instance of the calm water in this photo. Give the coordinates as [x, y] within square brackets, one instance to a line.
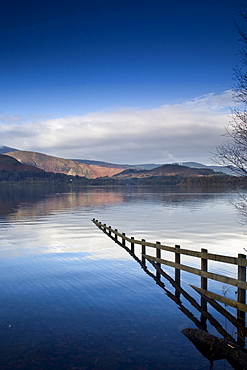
[73, 299]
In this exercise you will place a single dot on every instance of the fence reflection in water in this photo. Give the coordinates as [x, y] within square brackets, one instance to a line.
[212, 347]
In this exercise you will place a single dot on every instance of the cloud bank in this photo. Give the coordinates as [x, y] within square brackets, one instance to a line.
[180, 132]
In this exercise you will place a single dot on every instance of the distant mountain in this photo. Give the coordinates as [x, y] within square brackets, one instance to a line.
[191, 164]
[166, 170]
[151, 166]
[222, 169]
[225, 170]
[6, 149]
[92, 169]
[101, 163]
[8, 163]
[148, 166]
[66, 166]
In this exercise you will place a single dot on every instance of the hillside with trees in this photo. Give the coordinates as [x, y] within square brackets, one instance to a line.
[14, 172]
[65, 166]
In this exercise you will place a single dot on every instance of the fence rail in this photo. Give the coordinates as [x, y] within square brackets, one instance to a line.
[157, 261]
[209, 256]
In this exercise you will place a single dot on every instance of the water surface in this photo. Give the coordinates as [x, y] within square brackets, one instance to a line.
[73, 299]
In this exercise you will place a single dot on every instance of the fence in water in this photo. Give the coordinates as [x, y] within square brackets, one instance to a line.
[210, 346]
[157, 261]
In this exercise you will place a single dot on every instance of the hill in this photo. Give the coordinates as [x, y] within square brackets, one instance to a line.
[65, 166]
[166, 170]
[145, 166]
[67, 172]
[150, 166]
[6, 149]
[101, 163]
[92, 169]
[117, 168]
[8, 163]
[222, 169]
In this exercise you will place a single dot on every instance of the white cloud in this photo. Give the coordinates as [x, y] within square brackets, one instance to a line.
[179, 132]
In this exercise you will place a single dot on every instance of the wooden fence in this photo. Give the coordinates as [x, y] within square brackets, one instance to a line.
[239, 282]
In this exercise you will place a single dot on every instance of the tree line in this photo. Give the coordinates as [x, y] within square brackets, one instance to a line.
[28, 177]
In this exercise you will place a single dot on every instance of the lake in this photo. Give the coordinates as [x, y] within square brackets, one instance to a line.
[74, 299]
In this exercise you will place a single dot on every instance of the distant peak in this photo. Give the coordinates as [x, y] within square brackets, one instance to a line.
[7, 149]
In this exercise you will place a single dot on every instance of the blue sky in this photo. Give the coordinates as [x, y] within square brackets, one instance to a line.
[77, 74]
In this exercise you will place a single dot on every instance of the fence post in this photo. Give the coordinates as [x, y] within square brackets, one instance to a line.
[123, 240]
[132, 245]
[116, 230]
[241, 292]
[204, 267]
[109, 230]
[104, 227]
[177, 260]
[204, 285]
[177, 271]
[143, 252]
[158, 255]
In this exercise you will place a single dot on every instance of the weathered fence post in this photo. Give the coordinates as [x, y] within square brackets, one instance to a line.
[109, 230]
[241, 292]
[177, 271]
[158, 255]
[204, 285]
[132, 245]
[177, 260]
[104, 227]
[143, 252]
[123, 240]
[204, 267]
[116, 230]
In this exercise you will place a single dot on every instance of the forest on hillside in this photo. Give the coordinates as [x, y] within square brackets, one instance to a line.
[27, 177]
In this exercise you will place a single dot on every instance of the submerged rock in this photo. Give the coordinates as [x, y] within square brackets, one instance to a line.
[214, 348]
